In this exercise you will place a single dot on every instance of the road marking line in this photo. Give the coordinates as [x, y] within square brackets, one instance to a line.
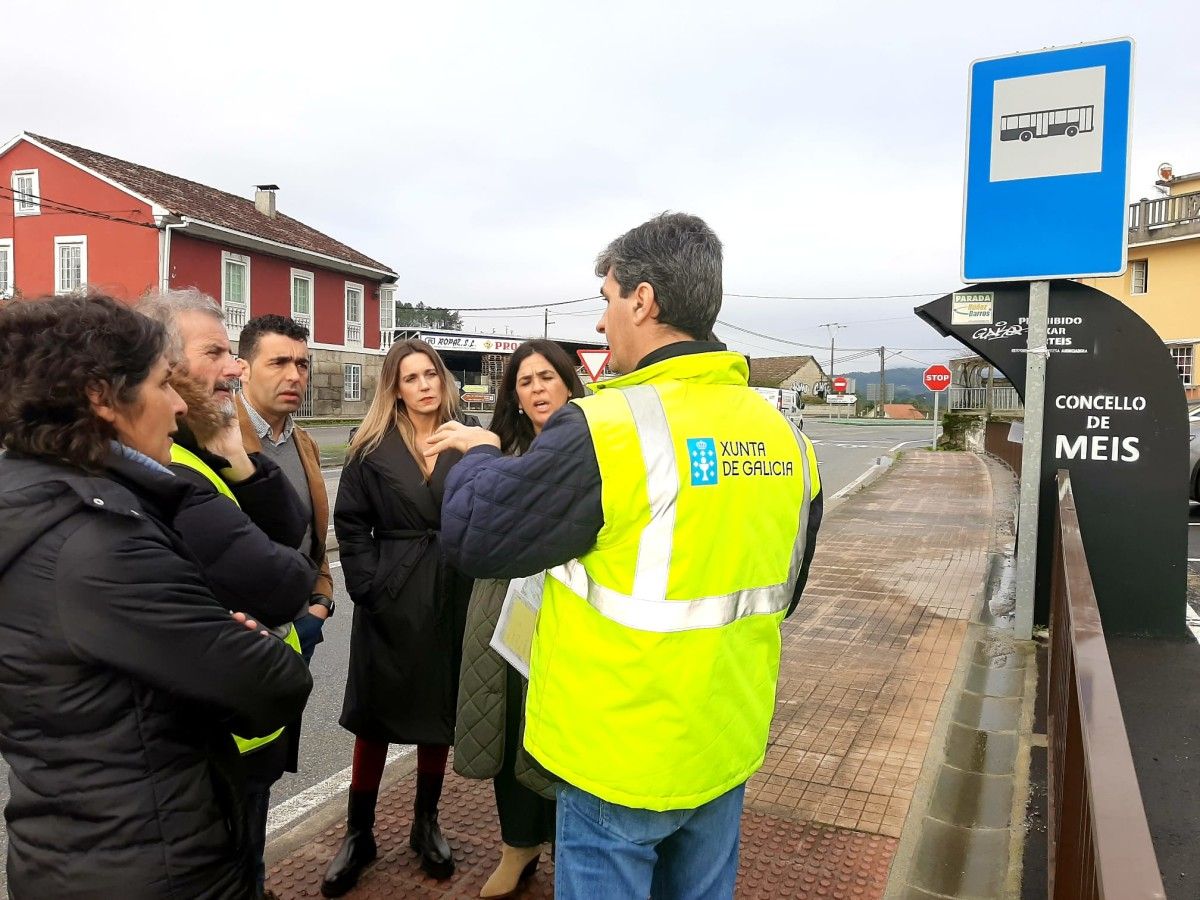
[307, 800]
[905, 443]
[852, 485]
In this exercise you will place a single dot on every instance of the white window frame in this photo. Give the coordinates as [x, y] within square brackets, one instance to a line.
[1184, 357]
[352, 381]
[302, 275]
[387, 324]
[69, 241]
[9, 266]
[1136, 266]
[234, 327]
[23, 207]
[347, 339]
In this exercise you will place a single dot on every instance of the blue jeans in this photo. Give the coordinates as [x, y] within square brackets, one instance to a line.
[610, 852]
[258, 803]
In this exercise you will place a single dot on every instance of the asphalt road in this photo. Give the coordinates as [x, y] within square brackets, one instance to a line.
[844, 452]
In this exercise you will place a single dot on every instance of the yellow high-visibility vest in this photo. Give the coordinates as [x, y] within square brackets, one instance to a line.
[186, 457]
[656, 654]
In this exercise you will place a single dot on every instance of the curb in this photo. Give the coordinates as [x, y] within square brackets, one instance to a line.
[866, 479]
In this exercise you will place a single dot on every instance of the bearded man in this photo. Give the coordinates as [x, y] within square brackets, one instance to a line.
[246, 531]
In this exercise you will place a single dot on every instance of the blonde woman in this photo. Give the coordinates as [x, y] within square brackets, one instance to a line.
[409, 605]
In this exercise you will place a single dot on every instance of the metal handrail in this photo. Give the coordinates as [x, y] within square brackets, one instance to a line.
[1099, 839]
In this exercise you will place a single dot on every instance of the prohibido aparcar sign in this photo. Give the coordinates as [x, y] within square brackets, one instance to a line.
[1116, 419]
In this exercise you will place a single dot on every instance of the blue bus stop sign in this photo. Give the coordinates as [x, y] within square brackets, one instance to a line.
[1048, 164]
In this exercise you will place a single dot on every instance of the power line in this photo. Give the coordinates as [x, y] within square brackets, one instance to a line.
[844, 297]
[70, 209]
[522, 306]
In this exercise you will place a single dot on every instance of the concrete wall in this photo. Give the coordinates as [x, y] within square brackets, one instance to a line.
[328, 383]
[808, 375]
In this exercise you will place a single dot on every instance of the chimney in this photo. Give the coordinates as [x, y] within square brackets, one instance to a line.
[264, 199]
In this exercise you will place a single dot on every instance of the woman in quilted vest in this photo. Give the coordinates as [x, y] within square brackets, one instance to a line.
[539, 380]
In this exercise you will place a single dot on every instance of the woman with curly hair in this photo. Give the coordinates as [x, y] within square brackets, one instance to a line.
[122, 675]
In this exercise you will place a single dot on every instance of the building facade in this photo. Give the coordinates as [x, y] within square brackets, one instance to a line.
[1162, 282]
[72, 219]
[800, 373]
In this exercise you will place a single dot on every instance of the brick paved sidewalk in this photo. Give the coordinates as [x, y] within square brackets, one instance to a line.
[866, 661]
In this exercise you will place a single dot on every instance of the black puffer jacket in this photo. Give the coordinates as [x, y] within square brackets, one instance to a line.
[121, 678]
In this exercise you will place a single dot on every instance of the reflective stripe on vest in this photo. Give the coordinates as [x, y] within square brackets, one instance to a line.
[648, 608]
[663, 639]
[185, 457]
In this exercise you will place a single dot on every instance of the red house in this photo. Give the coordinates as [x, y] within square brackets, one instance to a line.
[71, 218]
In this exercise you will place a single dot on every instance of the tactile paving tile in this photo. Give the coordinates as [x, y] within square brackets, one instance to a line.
[782, 858]
[779, 858]
[467, 815]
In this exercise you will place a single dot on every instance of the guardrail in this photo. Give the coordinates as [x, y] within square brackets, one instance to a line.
[1099, 840]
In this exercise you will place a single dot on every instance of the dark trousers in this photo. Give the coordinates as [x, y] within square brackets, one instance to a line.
[258, 802]
[526, 818]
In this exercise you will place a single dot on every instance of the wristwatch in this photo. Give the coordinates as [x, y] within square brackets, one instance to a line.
[319, 600]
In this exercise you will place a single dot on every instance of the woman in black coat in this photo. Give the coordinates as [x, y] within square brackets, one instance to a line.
[122, 675]
[409, 604]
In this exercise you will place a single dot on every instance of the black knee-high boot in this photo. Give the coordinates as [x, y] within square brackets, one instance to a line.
[358, 849]
[426, 837]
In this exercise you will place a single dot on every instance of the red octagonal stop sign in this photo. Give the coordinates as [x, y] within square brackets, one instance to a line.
[937, 378]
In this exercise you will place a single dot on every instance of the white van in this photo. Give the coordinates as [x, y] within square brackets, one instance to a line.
[786, 400]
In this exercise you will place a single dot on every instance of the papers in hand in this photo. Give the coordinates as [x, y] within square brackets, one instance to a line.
[513, 638]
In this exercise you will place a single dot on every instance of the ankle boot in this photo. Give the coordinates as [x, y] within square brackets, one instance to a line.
[426, 837]
[358, 849]
[516, 865]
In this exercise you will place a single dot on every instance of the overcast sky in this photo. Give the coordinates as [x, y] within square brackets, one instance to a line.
[488, 151]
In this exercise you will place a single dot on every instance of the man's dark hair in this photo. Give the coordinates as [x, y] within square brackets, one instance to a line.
[53, 350]
[680, 257]
[253, 331]
[513, 427]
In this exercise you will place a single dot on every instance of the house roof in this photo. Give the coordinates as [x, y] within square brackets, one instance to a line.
[772, 371]
[901, 411]
[193, 200]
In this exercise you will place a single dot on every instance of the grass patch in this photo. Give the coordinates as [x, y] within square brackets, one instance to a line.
[333, 455]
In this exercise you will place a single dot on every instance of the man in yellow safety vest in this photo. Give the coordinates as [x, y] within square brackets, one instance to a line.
[675, 515]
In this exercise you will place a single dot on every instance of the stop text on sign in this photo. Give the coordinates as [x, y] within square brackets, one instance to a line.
[936, 378]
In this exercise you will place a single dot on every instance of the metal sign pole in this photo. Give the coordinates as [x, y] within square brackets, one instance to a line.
[936, 396]
[1031, 456]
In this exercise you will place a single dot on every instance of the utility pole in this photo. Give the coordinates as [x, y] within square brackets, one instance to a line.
[833, 327]
[546, 324]
[882, 371]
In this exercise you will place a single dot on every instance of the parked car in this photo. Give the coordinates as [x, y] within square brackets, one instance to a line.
[1194, 450]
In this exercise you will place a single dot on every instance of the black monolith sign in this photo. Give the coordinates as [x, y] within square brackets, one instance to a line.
[1116, 418]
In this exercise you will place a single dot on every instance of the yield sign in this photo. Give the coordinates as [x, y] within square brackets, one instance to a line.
[594, 361]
